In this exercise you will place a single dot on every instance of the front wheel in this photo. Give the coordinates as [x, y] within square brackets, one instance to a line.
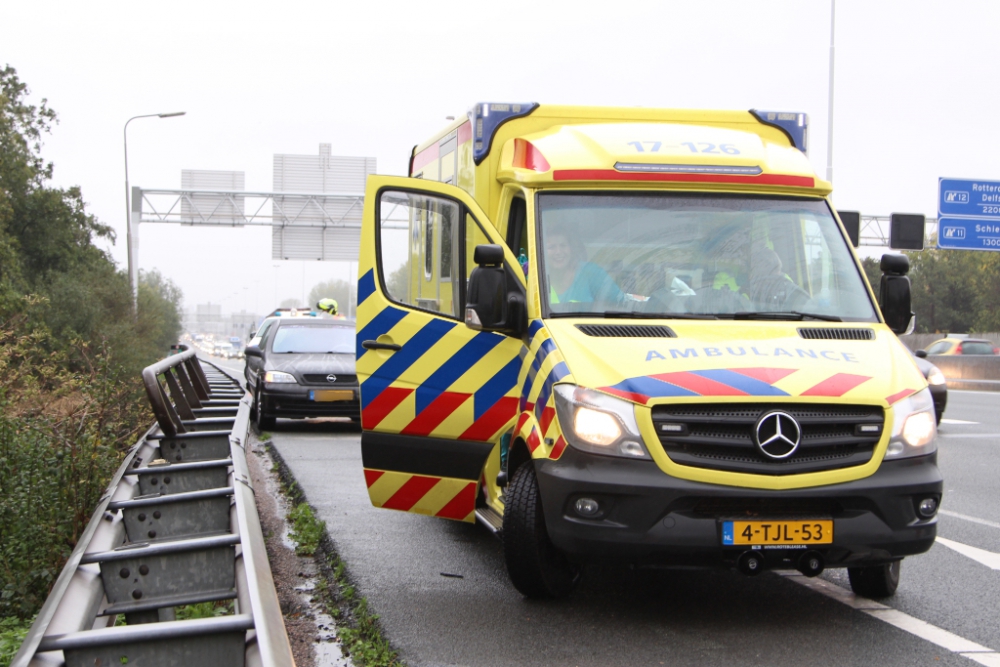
[262, 420]
[536, 568]
[875, 581]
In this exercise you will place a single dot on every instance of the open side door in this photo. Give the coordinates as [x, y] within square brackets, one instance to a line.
[435, 394]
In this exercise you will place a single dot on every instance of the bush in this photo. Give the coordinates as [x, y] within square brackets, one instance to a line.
[62, 435]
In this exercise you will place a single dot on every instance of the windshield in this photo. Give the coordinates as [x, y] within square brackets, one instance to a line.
[305, 339]
[666, 255]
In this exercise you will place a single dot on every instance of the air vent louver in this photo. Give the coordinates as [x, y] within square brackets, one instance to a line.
[837, 334]
[627, 330]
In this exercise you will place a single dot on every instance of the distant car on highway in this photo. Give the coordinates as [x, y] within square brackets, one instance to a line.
[960, 346]
[302, 367]
[937, 383]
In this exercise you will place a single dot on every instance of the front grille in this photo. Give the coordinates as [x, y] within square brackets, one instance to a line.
[721, 436]
[320, 378]
[627, 330]
[818, 333]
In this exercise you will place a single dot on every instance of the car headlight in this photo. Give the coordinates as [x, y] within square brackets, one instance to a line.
[279, 377]
[936, 377]
[914, 427]
[597, 423]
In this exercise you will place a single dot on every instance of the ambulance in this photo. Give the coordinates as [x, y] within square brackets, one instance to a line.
[639, 336]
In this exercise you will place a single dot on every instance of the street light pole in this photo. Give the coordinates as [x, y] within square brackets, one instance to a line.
[133, 243]
[829, 120]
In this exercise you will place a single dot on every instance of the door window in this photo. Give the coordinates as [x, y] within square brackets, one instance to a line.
[416, 237]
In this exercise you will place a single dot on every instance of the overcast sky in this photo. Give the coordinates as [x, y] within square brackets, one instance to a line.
[914, 98]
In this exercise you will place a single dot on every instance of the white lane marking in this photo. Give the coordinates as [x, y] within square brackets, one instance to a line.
[945, 420]
[922, 629]
[973, 519]
[987, 558]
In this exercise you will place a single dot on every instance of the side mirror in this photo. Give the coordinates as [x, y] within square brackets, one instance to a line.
[253, 351]
[894, 294]
[494, 301]
[920, 353]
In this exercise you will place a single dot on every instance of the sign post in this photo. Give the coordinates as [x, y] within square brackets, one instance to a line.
[968, 214]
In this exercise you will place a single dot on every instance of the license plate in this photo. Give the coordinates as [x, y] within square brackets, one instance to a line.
[329, 395]
[818, 531]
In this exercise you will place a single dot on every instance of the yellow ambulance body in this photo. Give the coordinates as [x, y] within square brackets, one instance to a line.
[639, 335]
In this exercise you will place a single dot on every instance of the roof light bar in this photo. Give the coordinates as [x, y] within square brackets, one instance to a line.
[792, 123]
[687, 168]
[487, 117]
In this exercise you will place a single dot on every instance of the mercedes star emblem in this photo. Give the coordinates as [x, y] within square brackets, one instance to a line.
[777, 435]
[331, 378]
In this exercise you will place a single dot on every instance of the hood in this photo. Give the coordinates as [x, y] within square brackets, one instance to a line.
[739, 360]
[310, 363]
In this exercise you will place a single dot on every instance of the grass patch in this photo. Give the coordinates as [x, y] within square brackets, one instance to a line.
[307, 530]
[264, 436]
[358, 629]
[362, 639]
[12, 633]
[204, 610]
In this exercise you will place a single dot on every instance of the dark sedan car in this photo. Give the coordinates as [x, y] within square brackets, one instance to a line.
[303, 367]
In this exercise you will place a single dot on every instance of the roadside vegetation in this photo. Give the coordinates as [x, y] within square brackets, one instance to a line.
[358, 628]
[71, 350]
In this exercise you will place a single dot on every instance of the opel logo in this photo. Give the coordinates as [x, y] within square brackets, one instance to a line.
[777, 435]
[331, 378]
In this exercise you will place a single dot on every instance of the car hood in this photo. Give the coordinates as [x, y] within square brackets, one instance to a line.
[310, 363]
[739, 360]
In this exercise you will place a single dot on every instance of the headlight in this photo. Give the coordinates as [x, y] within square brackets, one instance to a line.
[935, 377]
[597, 423]
[914, 427]
[279, 377]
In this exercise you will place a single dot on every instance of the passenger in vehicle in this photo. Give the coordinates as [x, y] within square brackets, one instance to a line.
[571, 277]
[769, 287]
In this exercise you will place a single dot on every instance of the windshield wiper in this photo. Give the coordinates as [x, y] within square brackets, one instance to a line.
[783, 315]
[626, 314]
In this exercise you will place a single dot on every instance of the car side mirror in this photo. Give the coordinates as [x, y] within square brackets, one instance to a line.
[894, 294]
[494, 301]
[253, 351]
[920, 353]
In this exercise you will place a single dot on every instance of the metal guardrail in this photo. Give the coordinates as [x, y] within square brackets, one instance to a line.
[177, 526]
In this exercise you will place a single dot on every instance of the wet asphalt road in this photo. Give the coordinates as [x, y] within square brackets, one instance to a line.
[622, 617]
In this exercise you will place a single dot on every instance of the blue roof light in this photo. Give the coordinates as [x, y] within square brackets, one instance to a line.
[794, 124]
[487, 117]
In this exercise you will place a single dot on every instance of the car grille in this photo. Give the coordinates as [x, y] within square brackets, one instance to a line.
[320, 378]
[721, 436]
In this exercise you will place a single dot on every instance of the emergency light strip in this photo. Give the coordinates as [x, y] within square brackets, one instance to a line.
[688, 168]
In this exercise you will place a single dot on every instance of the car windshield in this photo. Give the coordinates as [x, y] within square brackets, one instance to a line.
[977, 347]
[674, 255]
[306, 339]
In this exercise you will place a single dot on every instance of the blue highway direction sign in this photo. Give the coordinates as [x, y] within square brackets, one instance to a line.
[969, 199]
[969, 233]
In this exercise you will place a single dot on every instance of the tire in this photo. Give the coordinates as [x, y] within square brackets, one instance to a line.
[875, 581]
[263, 421]
[536, 568]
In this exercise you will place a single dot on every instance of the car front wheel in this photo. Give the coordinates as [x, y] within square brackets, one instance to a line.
[875, 581]
[535, 566]
[261, 419]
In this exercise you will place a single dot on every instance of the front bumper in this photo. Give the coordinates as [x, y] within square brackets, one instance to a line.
[649, 518]
[292, 401]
